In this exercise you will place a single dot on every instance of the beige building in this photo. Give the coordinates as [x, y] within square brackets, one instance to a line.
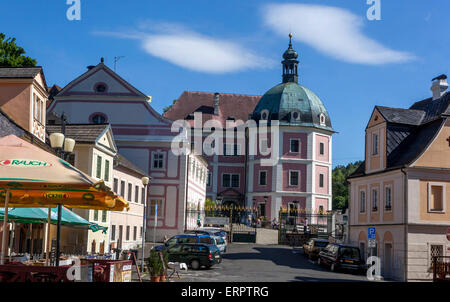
[126, 227]
[93, 154]
[403, 186]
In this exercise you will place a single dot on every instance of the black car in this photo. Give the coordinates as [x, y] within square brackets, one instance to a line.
[340, 256]
[195, 255]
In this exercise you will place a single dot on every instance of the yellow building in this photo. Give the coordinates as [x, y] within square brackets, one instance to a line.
[403, 186]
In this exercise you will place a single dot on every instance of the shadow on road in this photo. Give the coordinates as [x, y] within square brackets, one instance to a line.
[279, 256]
[290, 258]
[311, 279]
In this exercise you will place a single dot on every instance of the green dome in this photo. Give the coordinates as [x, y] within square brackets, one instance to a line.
[293, 104]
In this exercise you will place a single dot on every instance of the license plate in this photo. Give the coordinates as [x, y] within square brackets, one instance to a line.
[349, 261]
[217, 256]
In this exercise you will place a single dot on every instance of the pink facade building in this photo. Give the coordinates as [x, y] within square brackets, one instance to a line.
[299, 179]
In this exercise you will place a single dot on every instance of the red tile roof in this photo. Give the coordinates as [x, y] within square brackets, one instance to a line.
[238, 106]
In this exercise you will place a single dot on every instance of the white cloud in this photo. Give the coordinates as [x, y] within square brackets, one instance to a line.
[333, 31]
[193, 51]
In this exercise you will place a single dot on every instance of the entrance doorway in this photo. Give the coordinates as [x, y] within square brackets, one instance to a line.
[387, 265]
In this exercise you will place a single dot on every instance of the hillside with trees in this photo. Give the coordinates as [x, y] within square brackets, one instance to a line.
[340, 184]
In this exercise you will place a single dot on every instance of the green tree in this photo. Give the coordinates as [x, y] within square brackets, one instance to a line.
[12, 55]
[340, 184]
[165, 109]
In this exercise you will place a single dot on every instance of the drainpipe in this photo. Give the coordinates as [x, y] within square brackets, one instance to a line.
[405, 214]
[186, 191]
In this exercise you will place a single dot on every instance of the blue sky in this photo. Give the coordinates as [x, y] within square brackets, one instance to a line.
[235, 46]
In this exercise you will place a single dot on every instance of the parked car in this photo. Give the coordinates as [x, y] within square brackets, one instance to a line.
[211, 231]
[195, 255]
[340, 256]
[220, 243]
[313, 247]
[186, 238]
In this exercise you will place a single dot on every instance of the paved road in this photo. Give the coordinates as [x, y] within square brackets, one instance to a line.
[261, 263]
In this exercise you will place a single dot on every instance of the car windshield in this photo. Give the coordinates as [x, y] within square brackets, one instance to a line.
[220, 234]
[320, 243]
[349, 252]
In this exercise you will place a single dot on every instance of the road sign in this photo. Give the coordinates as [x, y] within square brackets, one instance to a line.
[372, 243]
[371, 233]
[448, 234]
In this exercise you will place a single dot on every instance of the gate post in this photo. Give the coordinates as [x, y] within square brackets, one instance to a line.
[231, 223]
[279, 225]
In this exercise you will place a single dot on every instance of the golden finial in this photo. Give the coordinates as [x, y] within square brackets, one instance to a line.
[290, 35]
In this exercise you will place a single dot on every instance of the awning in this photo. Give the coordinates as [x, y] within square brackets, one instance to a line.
[40, 215]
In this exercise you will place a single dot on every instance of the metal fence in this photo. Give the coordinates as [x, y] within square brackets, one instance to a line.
[441, 268]
[296, 227]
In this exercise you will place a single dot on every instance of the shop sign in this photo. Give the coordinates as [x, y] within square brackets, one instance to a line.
[24, 163]
[56, 195]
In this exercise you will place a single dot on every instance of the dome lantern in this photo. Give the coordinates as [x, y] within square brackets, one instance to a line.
[290, 64]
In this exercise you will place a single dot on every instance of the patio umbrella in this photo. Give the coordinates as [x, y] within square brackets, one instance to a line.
[32, 177]
[40, 215]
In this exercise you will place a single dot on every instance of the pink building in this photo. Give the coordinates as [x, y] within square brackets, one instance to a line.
[142, 135]
[301, 176]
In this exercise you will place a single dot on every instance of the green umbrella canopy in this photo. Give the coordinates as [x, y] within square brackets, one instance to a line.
[40, 215]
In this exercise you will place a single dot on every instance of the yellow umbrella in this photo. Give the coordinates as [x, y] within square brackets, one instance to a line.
[32, 177]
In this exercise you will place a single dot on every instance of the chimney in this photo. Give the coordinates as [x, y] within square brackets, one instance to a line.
[216, 103]
[439, 86]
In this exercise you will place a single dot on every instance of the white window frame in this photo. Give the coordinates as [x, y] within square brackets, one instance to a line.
[320, 148]
[298, 178]
[160, 208]
[323, 181]
[298, 115]
[231, 180]
[322, 119]
[265, 145]
[365, 201]
[290, 145]
[259, 178]
[154, 153]
[436, 184]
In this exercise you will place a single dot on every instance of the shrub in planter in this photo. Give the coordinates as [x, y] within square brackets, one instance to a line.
[154, 265]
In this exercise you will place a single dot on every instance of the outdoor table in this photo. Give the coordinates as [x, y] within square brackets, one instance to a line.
[19, 272]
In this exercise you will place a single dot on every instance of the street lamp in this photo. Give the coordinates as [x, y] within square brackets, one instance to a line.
[145, 181]
[63, 147]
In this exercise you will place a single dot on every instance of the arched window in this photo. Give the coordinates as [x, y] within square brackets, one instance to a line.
[100, 88]
[264, 114]
[295, 116]
[322, 119]
[98, 118]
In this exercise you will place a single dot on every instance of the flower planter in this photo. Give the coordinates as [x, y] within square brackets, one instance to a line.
[155, 278]
[162, 278]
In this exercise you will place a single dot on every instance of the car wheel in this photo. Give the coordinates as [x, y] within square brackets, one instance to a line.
[195, 264]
